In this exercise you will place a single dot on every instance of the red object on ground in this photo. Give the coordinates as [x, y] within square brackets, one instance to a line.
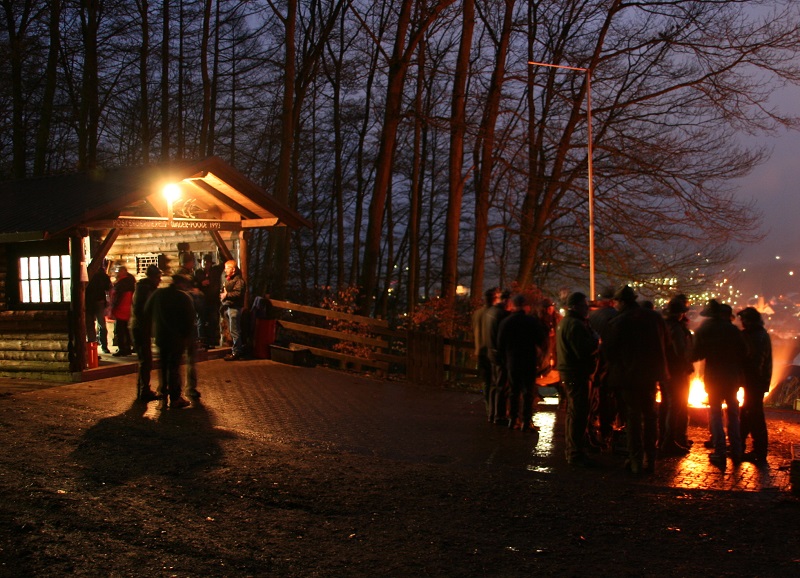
[263, 337]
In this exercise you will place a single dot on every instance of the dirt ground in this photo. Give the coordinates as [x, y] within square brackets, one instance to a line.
[94, 488]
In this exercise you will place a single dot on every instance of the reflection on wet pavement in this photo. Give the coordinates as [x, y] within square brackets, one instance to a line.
[544, 448]
[694, 471]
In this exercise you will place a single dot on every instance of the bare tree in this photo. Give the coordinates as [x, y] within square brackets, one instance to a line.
[458, 130]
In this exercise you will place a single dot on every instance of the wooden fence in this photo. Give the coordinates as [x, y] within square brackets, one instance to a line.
[362, 342]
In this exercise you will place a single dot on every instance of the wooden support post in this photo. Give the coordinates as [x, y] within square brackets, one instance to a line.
[77, 319]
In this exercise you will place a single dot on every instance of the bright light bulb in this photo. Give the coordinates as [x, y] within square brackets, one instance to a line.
[172, 192]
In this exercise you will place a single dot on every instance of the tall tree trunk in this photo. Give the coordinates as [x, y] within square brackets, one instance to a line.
[205, 119]
[180, 153]
[17, 37]
[415, 202]
[89, 120]
[212, 105]
[144, 50]
[398, 66]
[279, 238]
[456, 178]
[338, 152]
[50, 84]
[484, 153]
[165, 134]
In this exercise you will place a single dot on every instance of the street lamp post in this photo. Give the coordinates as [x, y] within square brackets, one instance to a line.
[589, 166]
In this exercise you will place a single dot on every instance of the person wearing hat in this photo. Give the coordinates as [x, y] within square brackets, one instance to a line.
[521, 343]
[635, 348]
[673, 415]
[757, 379]
[142, 332]
[172, 313]
[723, 348]
[577, 345]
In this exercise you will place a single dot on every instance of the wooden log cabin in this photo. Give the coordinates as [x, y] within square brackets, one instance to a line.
[55, 232]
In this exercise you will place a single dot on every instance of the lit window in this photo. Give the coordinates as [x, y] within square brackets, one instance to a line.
[44, 279]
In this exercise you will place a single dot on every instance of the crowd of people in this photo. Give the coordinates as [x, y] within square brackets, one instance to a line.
[183, 317]
[614, 358]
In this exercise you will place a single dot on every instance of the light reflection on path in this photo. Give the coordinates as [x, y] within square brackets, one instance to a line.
[544, 448]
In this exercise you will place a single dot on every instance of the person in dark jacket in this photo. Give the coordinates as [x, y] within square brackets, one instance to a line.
[577, 345]
[141, 326]
[636, 353]
[757, 379]
[208, 279]
[498, 396]
[604, 404]
[96, 301]
[121, 300]
[674, 410]
[521, 344]
[722, 346]
[232, 298]
[173, 317]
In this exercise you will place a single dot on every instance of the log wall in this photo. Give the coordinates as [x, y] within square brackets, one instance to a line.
[35, 345]
[130, 244]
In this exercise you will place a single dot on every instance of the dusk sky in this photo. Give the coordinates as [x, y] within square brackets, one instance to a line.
[775, 187]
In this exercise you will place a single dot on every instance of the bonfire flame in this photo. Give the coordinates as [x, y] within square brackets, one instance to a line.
[698, 396]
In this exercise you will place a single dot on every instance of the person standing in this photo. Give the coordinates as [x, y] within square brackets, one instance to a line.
[604, 404]
[521, 343]
[187, 269]
[208, 279]
[121, 300]
[173, 317]
[96, 302]
[635, 349]
[723, 348]
[498, 395]
[141, 326]
[577, 345]
[673, 415]
[757, 378]
[481, 343]
[232, 299]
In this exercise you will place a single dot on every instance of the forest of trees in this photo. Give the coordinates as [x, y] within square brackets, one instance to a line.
[415, 134]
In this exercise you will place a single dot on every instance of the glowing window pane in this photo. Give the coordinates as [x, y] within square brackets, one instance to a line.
[55, 267]
[66, 288]
[44, 267]
[26, 291]
[65, 265]
[46, 291]
[35, 297]
[34, 265]
[23, 268]
[55, 290]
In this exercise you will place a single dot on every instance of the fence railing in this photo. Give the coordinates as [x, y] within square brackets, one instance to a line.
[361, 342]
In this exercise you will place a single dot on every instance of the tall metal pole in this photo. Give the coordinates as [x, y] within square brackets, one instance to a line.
[590, 165]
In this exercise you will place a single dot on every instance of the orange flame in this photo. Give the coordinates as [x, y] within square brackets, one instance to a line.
[698, 396]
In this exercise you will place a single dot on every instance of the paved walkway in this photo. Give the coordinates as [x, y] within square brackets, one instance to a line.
[352, 413]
